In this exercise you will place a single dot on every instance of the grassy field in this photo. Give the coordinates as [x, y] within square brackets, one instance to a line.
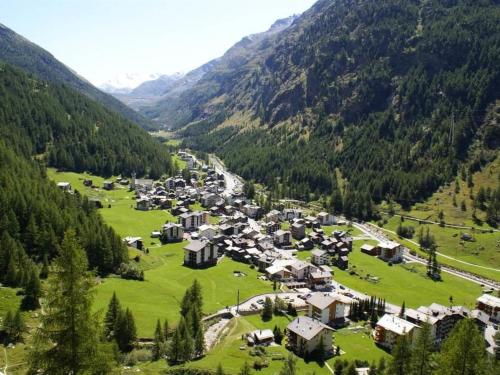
[484, 251]
[160, 294]
[406, 282]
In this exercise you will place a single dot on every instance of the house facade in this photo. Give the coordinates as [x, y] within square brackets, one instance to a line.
[191, 221]
[326, 308]
[390, 327]
[305, 334]
[200, 254]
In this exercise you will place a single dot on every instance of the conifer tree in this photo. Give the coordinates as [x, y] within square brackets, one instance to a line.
[199, 343]
[166, 330]
[32, 291]
[402, 311]
[401, 356]
[267, 311]
[174, 349]
[67, 339]
[463, 352]
[125, 332]
[219, 370]
[420, 363]
[351, 370]
[114, 310]
[159, 342]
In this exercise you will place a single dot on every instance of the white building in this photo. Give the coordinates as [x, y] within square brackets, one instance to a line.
[319, 257]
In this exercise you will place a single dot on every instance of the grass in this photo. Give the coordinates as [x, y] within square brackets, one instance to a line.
[358, 344]
[406, 282]
[159, 296]
[443, 199]
[485, 251]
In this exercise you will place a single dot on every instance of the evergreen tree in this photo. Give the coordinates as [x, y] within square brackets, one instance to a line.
[32, 291]
[278, 335]
[267, 311]
[290, 366]
[114, 310]
[319, 351]
[158, 343]
[401, 356]
[186, 344]
[166, 330]
[67, 339]
[351, 370]
[174, 349]
[463, 352]
[199, 343]
[125, 332]
[421, 357]
[219, 370]
[402, 311]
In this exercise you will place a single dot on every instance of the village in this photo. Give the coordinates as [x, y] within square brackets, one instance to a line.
[228, 225]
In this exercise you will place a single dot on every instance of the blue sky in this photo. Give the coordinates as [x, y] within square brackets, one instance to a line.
[102, 39]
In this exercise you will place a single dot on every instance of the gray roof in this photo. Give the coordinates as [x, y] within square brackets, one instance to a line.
[306, 327]
[320, 300]
[195, 245]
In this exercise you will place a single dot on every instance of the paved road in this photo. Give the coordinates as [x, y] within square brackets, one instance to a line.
[233, 182]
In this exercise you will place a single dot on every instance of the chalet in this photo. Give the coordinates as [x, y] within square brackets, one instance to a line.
[304, 244]
[108, 185]
[290, 214]
[390, 327]
[96, 202]
[252, 211]
[319, 279]
[64, 186]
[207, 231]
[311, 222]
[370, 249]
[210, 200]
[272, 215]
[271, 226]
[141, 183]
[135, 242]
[143, 204]
[342, 262]
[328, 309]
[298, 231]
[260, 337]
[199, 254]
[490, 305]
[87, 182]
[305, 334]
[282, 238]
[325, 218]
[319, 257]
[180, 183]
[172, 232]
[300, 270]
[191, 221]
[170, 183]
[391, 252]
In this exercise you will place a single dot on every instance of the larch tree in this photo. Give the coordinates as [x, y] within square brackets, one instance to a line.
[67, 339]
[421, 358]
[463, 352]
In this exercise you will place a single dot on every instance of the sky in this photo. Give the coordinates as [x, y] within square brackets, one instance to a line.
[105, 39]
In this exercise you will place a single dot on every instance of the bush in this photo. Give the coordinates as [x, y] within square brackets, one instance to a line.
[130, 272]
[259, 364]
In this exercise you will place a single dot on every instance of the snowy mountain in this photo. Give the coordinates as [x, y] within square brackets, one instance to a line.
[125, 83]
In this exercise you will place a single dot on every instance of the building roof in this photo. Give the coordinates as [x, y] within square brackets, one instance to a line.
[205, 227]
[318, 252]
[195, 246]
[367, 247]
[320, 300]
[306, 327]
[488, 299]
[395, 324]
[263, 334]
[389, 245]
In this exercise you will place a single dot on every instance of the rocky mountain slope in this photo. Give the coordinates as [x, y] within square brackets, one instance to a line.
[392, 93]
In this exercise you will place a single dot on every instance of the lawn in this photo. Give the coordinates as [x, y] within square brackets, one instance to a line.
[160, 294]
[484, 251]
[232, 352]
[356, 343]
[404, 282]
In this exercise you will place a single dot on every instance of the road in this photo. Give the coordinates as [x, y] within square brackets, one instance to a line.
[233, 182]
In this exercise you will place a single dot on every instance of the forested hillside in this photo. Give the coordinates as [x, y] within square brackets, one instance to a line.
[73, 132]
[18, 51]
[393, 93]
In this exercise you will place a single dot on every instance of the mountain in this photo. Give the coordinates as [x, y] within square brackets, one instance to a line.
[390, 94]
[69, 131]
[160, 99]
[17, 50]
[125, 83]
